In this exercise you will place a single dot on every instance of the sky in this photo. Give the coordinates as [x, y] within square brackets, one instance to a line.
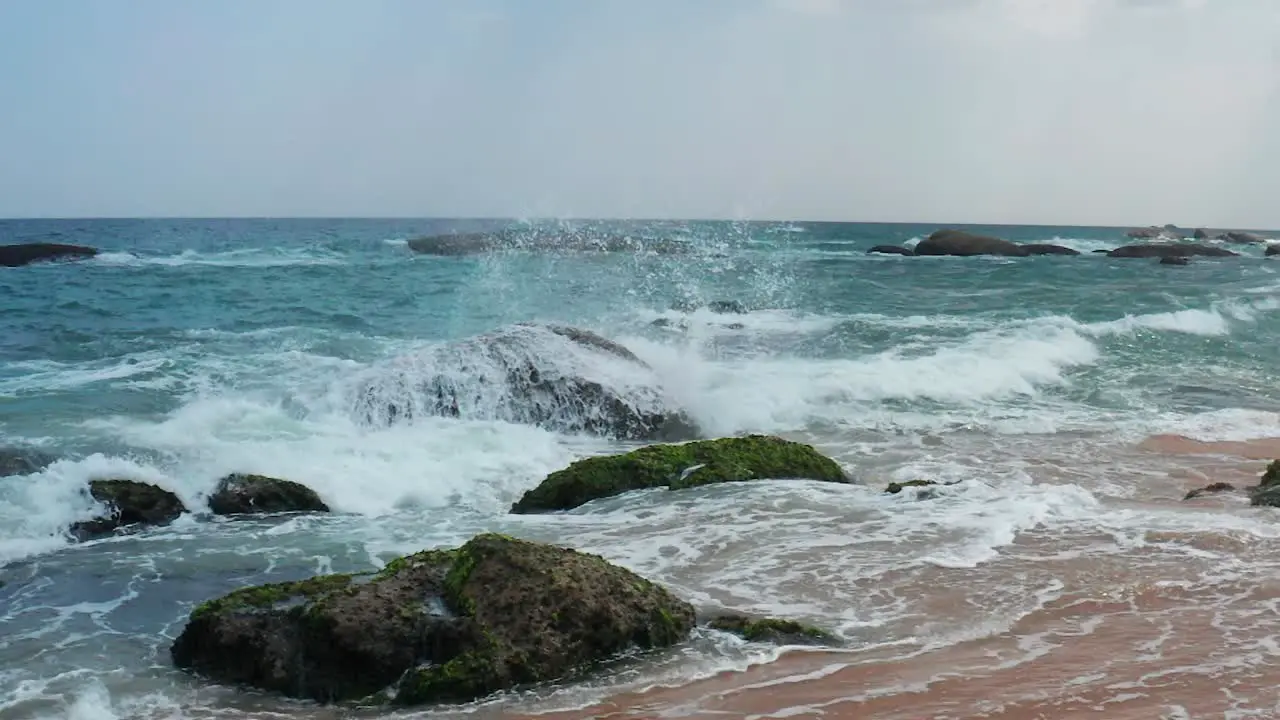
[1112, 112]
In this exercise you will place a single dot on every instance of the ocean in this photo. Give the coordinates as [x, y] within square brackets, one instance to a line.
[1072, 400]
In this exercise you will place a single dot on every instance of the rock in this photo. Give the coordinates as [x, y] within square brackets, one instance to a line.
[1174, 260]
[256, 494]
[726, 307]
[1215, 488]
[1242, 238]
[20, 461]
[1048, 249]
[755, 457]
[958, 242]
[27, 253]
[1270, 476]
[1161, 250]
[438, 626]
[1200, 234]
[1273, 249]
[1146, 232]
[131, 505]
[771, 630]
[894, 488]
[1100, 252]
[559, 378]
[890, 250]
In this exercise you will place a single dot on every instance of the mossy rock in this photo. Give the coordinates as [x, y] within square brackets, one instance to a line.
[131, 505]
[704, 462]
[772, 630]
[1271, 476]
[437, 626]
[257, 494]
[1213, 489]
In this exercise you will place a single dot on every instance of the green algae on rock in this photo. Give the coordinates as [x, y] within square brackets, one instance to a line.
[240, 494]
[437, 626]
[131, 505]
[703, 462]
[772, 630]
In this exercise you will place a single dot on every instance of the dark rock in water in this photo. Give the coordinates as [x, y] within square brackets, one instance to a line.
[438, 626]
[257, 494]
[891, 250]
[1174, 260]
[755, 457]
[736, 326]
[726, 307]
[20, 461]
[1272, 250]
[541, 240]
[1242, 238]
[894, 488]
[1146, 232]
[131, 505]
[559, 378]
[958, 242]
[1200, 234]
[1270, 476]
[1101, 252]
[1048, 249]
[771, 630]
[1160, 250]
[1215, 488]
[27, 253]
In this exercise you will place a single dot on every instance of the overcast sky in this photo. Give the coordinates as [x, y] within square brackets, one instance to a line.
[996, 111]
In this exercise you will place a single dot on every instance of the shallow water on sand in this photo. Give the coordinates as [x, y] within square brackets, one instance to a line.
[1075, 400]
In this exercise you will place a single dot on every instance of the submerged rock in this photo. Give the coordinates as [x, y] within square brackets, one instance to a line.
[1162, 250]
[891, 250]
[959, 242]
[706, 462]
[1048, 249]
[257, 494]
[894, 488]
[555, 377]
[1215, 488]
[1174, 260]
[27, 253]
[771, 630]
[438, 626]
[1272, 249]
[131, 505]
[21, 461]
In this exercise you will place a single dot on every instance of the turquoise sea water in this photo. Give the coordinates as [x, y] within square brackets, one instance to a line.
[190, 349]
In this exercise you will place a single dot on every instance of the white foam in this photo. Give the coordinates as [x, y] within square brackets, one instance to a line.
[248, 257]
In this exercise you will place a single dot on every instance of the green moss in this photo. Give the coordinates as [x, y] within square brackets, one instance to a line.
[894, 488]
[705, 462]
[432, 557]
[769, 629]
[466, 677]
[265, 596]
[1272, 475]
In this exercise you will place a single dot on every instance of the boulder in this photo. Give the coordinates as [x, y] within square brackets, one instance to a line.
[438, 626]
[22, 461]
[559, 378]
[894, 488]
[1048, 249]
[890, 250]
[959, 242]
[771, 630]
[1174, 260]
[1161, 250]
[727, 307]
[1267, 491]
[1200, 234]
[257, 494]
[1214, 489]
[1145, 233]
[27, 253]
[755, 457]
[131, 506]
[1242, 238]
[1272, 249]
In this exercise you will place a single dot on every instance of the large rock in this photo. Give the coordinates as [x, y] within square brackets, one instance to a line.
[22, 461]
[131, 505]
[257, 494]
[890, 250]
[959, 242]
[1145, 233]
[559, 378]
[1273, 249]
[1242, 238]
[1200, 234]
[1049, 249]
[1162, 250]
[755, 457]
[438, 626]
[27, 253]
[1175, 260]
